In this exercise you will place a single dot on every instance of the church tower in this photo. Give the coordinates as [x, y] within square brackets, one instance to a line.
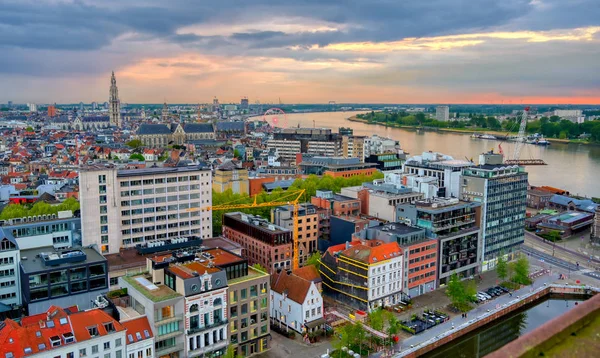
[114, 103]
[165, 113]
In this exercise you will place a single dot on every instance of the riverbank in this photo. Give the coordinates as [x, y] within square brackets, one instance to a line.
[468, 131]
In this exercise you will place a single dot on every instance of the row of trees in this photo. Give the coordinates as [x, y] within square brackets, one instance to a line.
[517, 271]
[40, 208]
[310, 185]
[551, 127]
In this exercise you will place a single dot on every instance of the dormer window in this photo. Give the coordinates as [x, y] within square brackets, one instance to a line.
[93, 331]
[69, 337]
[55, 341]
[109, 327]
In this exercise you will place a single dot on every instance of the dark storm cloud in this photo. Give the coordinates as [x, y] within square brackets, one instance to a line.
[80, 25]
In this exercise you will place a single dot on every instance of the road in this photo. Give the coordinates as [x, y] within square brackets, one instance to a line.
[284, 347]
[543, 257]
[557, 250]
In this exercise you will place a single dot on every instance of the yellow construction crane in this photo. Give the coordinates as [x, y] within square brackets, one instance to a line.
[294, 201]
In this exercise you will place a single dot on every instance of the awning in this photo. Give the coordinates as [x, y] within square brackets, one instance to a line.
[315, 323]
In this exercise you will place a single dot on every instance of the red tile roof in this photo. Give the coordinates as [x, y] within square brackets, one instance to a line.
[294, 287]
[138, 329]
[375, 254]
[34, 333]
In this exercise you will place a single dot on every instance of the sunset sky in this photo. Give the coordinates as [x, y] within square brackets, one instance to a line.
[302, 51]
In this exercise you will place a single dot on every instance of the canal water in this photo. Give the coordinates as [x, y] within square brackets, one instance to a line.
[573, 167]
[495, 335]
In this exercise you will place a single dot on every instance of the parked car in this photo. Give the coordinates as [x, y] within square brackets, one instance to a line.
[487, 297]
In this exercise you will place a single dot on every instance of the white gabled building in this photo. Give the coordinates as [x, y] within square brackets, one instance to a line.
[296, 303]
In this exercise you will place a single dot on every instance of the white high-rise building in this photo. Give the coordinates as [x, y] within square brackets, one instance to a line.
[32, 107]
[442, 113]
[123, 208]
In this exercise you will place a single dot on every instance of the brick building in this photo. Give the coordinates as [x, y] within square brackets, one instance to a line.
[262, 242]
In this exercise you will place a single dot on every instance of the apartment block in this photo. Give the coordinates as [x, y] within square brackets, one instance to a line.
[442, 113]
[455, 226]
[420, 255]
[263, 243]
[308, 227]
[285, 148]
[249, 329]
[353, 147]
[365, 275]
[337, 204]
[502, 192]
[123, 208]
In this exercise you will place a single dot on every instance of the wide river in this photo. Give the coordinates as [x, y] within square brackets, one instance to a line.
[573, 167]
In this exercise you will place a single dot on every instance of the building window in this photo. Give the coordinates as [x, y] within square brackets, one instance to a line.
[106, 345]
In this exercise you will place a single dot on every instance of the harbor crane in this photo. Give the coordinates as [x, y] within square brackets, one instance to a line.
[520, 141]
[293, 199]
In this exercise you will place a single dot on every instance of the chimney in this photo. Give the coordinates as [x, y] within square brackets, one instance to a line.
[347, 245]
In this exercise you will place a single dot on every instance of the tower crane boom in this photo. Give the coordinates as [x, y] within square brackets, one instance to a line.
[294, 197]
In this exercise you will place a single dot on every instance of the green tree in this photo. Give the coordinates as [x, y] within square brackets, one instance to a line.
[259, 267]
[376, 319]
[461, 292]
[314, 259]
[521, 272]
[393, 325]
[237, 154]
[502, 267]
[230, 353]
[137, 156]
[29, 129]
[135, 143]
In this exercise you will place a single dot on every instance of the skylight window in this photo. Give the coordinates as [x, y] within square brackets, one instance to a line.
[130, 337]
[146, 333]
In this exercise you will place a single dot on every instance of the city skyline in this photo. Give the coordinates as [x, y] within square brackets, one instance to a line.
[540, 51]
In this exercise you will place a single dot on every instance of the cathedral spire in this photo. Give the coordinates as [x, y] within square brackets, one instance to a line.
[114, 102]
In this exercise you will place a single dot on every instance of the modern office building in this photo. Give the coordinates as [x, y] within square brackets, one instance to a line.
[308, 227]
[442, 113]
[455, 226]
[164, 308]
[60, 231]
[502, 192]
[263, 243]
[380, 199]
[386, 161]
[446, 169]
[123, 208]
[336, 166]
[420, 255]
[365, 275]
[317, 141]
[61, 277]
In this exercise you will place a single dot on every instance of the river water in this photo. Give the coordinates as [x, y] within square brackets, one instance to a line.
[492, 337]
[573, 167]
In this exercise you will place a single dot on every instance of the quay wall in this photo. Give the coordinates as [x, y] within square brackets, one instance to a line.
[488, 317]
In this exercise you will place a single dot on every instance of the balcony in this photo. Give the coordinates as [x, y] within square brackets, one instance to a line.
[173, 318]
[169, 349]
[208, 326]
[200, 351]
